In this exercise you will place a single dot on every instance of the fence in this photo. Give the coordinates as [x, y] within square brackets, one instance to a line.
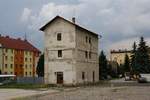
[30, 80]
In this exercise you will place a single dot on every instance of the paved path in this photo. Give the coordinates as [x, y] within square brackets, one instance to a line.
[100, 93]
[7, 94]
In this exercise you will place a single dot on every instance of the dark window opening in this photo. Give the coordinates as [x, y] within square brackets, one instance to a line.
[90, 40]
[86, 39]
[11, 66]
[83, 75]
[59, 36]
[5, 65]
[90, 55]
[93, 76]
[86, 54]
[59, 53]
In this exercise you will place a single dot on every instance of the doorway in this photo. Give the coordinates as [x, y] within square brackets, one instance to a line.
[59, 77]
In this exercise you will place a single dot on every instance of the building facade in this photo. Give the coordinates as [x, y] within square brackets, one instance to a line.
[71, 53]
[18, 57]
[119, 55]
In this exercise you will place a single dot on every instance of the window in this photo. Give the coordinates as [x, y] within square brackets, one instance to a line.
[26, 73]
[6, 58]
[83, 75]
[59, 36]
[93, 76]
[11, 58]
[20, 65]
[26, 66]
[5, 65]
[11, 50]
[86, 54]
[59, 53]
[90, 40]
[11, 66]
[86, 39]
[90, 55]
[30, 60]
[26, 52]
[6, 50]
[25, 59]
[30, 73]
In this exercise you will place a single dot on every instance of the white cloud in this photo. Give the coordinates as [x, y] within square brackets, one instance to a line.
[26, 14]
[119, 20]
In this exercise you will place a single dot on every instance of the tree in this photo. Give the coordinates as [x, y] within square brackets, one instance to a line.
[133, 58]
[126, 66]
[102, 66]
[40, 66]
[142, 62]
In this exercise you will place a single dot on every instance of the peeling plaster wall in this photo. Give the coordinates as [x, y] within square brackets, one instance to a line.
[73, 46]
[87, 65]
[67, 45]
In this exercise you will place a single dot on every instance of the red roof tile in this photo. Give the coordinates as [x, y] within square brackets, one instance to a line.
[19, 44]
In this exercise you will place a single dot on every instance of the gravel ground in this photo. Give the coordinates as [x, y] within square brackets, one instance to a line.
[100, 93]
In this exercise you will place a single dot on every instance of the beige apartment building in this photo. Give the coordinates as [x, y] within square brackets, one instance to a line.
[119, 55]
[71, 53]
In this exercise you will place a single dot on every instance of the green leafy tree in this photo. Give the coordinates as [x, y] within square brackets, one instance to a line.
[142, 62]
[40, 66]
[103, 71]
[126, 66]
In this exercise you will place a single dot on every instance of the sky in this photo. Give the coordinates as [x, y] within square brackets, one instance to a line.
[119, 22]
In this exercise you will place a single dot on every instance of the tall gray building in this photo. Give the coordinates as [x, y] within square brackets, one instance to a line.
[71, 53]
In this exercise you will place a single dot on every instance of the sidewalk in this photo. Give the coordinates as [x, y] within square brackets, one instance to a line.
[8, 94]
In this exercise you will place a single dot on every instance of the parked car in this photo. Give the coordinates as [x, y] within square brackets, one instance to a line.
[142, 80]
[147, 76]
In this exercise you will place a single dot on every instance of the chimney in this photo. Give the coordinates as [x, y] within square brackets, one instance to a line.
[73, 20]
[19, 38]
[7, 36]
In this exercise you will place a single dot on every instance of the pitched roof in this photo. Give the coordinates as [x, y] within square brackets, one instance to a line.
[44, 27]
[19, 44]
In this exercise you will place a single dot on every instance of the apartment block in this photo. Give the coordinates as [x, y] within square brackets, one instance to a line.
[18, 57]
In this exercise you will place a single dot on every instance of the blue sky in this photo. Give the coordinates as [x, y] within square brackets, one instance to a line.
[120, 22]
